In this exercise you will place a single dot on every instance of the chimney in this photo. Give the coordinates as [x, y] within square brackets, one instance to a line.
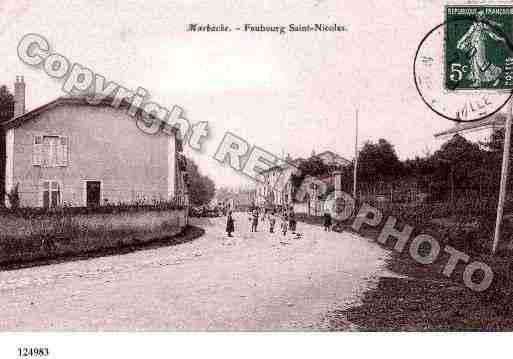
[19, 96]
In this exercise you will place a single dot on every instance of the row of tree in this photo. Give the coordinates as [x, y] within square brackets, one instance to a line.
[458, 168]
[201, 187]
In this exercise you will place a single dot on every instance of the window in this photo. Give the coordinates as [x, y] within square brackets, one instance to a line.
[51, 151]
[51, 194]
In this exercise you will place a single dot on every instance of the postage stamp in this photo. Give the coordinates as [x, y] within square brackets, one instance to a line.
[477, 47]
[463, 67]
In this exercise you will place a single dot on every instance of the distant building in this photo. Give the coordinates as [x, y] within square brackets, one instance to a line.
[476, 130]
[277, 187]
[240, 198]
[332, 159]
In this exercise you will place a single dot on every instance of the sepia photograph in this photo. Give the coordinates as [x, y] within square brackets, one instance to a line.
[274, 177]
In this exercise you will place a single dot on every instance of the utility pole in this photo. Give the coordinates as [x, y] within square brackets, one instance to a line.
[452, 185]
[355, 156]
[504, 175]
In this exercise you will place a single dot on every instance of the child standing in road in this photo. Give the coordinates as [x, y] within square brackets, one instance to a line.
[272, 222]
[284, 224]
[250, 217]
[254, 223]
[230, 226]
[327, 222]
[292, 221]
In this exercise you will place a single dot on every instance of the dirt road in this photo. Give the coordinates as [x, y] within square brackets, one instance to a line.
[254, 281]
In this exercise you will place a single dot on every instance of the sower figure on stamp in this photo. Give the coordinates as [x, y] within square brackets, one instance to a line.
[474, 44]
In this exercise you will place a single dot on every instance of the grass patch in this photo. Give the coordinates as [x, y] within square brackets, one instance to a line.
[426, 300]
[64, 233]
[188, 234]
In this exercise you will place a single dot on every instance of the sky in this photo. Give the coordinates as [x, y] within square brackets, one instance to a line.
[290, 93]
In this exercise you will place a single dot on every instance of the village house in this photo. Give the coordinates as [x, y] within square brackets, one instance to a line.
[277, 187]
[332, 159]
[69, 152]
[476, 131]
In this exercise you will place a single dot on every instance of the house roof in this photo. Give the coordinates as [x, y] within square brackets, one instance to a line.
[337, 158]
[491, 122]
[296, 162]
[62, 101]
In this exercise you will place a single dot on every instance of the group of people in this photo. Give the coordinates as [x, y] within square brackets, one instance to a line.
[286, 216]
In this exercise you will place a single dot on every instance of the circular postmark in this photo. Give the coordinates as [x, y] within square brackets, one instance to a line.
[463, 68]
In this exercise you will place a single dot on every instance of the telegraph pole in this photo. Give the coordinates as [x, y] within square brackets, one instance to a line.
[504, 175]
[355, 156]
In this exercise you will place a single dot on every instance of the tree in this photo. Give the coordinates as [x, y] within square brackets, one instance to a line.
[314, 166]
[458, 163]
[494, 148]
[223, 194]
[6, 113]
[311, 167]
[201, 188]
[378, 162]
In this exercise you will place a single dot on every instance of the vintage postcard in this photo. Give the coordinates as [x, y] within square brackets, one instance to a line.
[253, 166]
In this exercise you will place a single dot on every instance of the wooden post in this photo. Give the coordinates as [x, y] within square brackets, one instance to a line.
[504, 176]
[355, 156]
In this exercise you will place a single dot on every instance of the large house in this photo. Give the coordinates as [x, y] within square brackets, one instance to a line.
[69, 152]
[277, 186]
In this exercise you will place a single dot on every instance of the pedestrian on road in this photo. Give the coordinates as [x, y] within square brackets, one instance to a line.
[284, 224]
[327, 222]
[254, 223]
[250, 217]
[272, 222]
[292, 221]
[230, 225]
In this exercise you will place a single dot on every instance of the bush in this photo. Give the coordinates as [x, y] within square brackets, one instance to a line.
[28, 212]
[58, 233]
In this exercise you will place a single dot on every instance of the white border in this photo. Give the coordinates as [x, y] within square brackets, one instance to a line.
[268, 345]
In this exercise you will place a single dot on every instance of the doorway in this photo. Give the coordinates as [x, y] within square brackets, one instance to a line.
[93, 193]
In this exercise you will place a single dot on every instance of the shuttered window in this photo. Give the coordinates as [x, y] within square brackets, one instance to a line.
[51, 151]
[37, 155]
[63, 151]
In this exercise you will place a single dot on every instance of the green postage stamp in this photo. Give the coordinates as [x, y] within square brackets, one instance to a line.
[478, 47]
